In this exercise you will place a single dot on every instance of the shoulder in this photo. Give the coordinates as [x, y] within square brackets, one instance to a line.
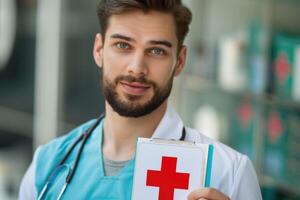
[49, 155]
[228, 155]
[229, 167]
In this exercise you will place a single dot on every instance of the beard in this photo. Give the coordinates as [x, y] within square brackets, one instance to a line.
[130, 107]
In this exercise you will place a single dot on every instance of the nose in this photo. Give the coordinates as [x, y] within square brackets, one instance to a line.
[138, 65]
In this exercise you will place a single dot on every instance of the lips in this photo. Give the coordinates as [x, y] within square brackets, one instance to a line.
[134, 88]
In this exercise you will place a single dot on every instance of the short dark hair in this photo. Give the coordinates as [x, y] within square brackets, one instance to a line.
[182, 15]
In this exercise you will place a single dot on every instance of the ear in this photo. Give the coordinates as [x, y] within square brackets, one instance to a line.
[98, 50]
[181, 60]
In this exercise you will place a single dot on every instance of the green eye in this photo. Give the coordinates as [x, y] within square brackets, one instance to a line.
[122, 45]
[157, 51]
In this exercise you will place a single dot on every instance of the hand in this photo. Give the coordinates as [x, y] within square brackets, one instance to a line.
[207, 194]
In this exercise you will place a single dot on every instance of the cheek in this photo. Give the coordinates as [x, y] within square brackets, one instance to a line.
[112, 65]
[117, 61]
[162, 72]
[109, 59]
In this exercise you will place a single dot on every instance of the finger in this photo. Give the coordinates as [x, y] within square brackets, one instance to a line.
[195, 198]
[207, 193]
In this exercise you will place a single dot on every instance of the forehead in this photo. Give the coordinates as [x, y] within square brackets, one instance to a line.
[143, 26]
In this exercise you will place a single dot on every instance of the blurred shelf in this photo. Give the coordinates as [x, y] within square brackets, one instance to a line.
[267, 180]
[15, 125]
[260, 21]
[199, 84]
[204, 87]
[16, 122]
[287, 1]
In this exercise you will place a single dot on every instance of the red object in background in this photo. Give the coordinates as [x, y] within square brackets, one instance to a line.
[167, 179]
[275, 128]
[245, 113]
[282, 67]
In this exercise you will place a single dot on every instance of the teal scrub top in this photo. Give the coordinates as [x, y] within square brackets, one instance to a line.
[89, 181]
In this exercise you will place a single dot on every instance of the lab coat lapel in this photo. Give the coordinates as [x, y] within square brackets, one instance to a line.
[170, 127]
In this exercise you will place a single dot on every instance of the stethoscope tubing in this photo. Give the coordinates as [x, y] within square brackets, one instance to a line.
[83, 137]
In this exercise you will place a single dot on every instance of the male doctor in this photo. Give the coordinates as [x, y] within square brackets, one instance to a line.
[140, 50]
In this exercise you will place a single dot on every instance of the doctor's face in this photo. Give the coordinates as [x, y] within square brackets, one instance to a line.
[139, 58]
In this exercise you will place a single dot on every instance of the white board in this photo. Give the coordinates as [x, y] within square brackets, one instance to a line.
[170, 170]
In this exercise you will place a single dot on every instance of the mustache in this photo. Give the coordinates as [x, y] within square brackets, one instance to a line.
[132, 79]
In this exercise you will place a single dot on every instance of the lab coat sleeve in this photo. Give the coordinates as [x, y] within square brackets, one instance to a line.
[246, 185]
[27, 189]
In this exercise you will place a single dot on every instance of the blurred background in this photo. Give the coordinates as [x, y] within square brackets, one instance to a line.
[241, 84]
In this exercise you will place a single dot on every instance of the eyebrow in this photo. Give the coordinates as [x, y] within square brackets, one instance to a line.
[123, 37]
[161, 42]
[129, 39]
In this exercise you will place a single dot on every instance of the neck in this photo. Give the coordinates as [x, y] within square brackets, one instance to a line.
[121, 133]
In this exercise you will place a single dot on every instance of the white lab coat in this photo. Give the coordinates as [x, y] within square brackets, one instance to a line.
[232, 172]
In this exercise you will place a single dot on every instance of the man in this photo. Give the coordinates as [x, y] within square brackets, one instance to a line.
[140, 50]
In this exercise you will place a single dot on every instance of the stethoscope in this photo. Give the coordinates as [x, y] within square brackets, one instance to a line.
[83, 137]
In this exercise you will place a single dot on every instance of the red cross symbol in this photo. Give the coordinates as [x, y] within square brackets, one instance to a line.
[167, 179]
